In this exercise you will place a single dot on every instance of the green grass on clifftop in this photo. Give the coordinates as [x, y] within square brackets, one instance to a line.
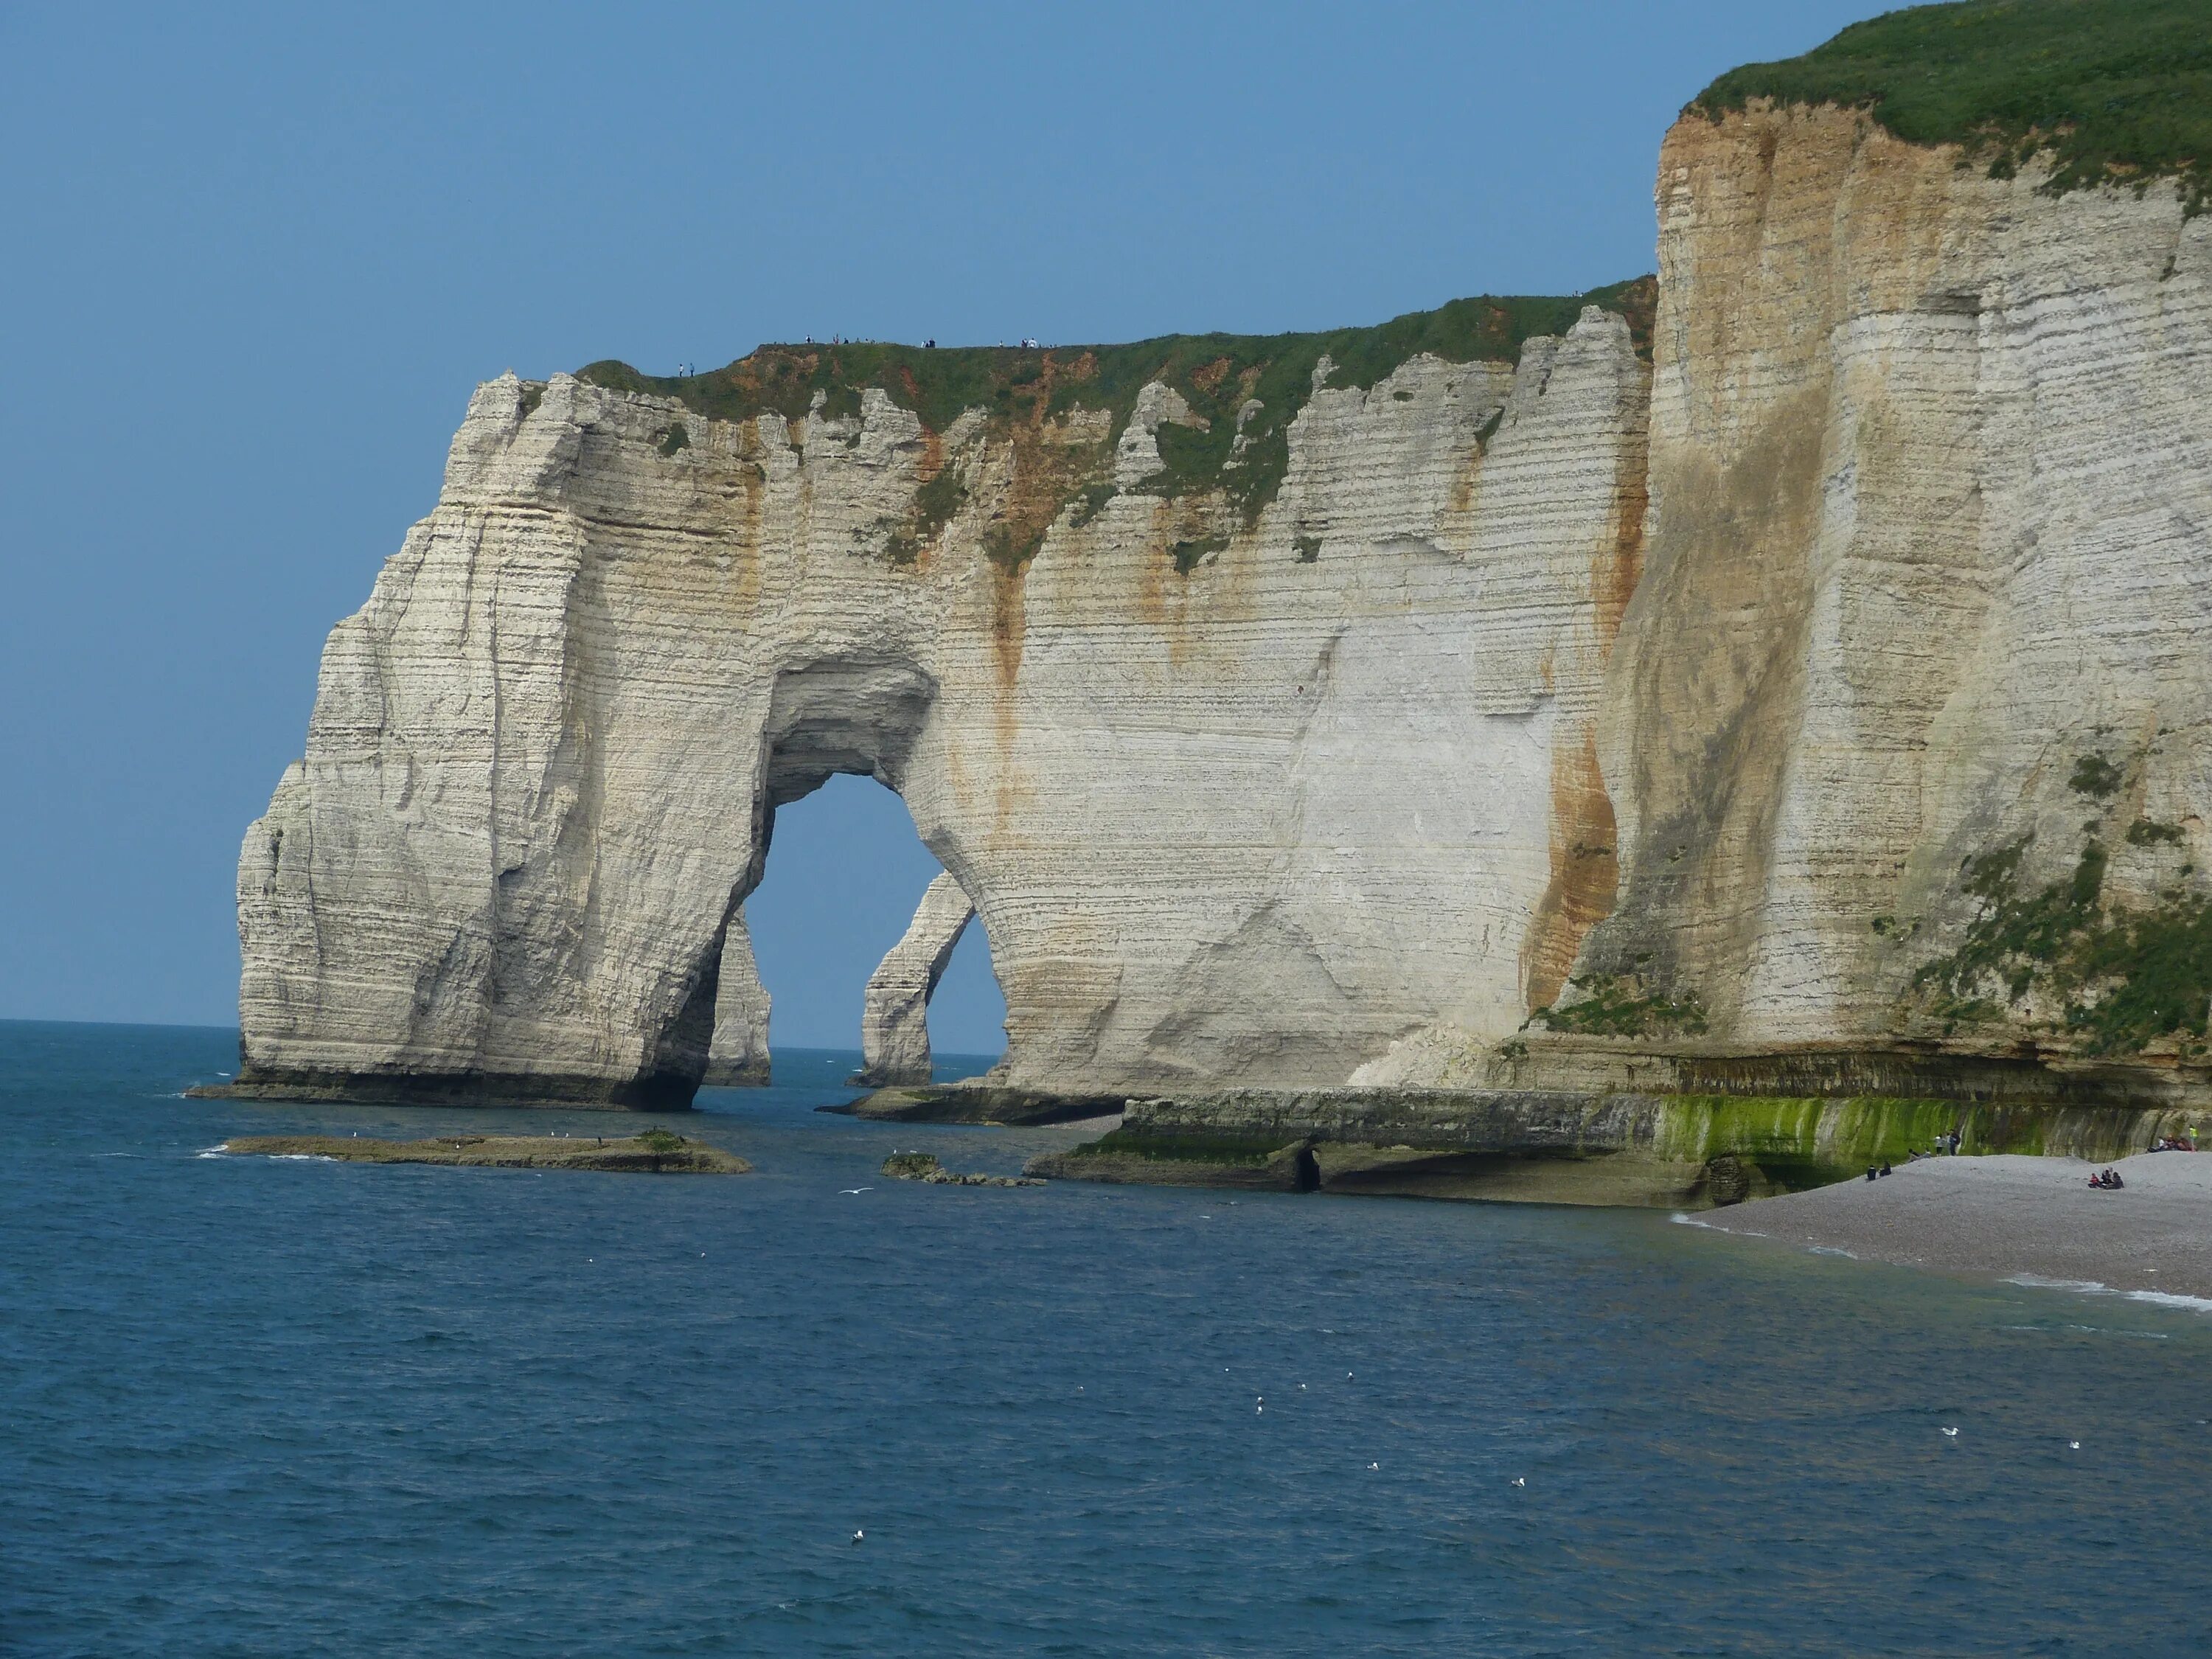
[2116, 90]
[1018, 389]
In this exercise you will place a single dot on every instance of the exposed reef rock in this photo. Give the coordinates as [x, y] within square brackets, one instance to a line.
[924, 1167]
[1474, 700]
[895, 1007]
[737, 1056]
[654, 1152]
[977, 1102]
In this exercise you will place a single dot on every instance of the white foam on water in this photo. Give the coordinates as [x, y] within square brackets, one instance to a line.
[1831, 1249]
[1681, 1220]
[2095, 1287]
[2037, 1282]
[2172, 1299]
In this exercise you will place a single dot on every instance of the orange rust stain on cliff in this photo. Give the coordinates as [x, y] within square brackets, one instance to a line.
[1585, 872]
[1616, 569]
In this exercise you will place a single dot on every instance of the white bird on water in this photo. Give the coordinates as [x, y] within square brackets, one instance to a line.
[847, 1192]
[1519, 1480]
[2074, 1445]
[858, 1535]
[1952, 1433]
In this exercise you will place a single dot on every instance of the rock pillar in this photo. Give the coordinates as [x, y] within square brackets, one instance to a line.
[895, 1014]
[739, 1055]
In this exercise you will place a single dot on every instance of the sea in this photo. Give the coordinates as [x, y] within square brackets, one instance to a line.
[252, 1406]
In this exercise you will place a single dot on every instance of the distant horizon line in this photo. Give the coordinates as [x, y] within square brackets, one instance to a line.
[178, 1025]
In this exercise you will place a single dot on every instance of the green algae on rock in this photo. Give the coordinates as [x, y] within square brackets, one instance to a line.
[656, 1152]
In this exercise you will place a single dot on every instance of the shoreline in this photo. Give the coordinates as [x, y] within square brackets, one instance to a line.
[2022, 1220]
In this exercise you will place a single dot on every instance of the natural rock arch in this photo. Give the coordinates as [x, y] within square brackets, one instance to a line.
[1188, 764]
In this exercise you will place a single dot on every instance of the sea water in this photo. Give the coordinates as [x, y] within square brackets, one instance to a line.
[260, 1407]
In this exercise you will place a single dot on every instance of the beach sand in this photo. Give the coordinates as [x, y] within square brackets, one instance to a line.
[2012, 1217]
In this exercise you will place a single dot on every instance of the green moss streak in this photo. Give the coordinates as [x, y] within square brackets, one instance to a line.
[934, 504]
[2116, 90]
[2125, 978]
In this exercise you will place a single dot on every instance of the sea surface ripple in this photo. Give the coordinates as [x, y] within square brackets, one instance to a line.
[255, 1407]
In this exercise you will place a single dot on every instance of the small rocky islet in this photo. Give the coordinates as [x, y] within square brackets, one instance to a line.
[924, 1166]
[655, 1152]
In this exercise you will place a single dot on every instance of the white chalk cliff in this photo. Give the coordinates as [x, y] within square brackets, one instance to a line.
[1348, 777]
[736, 1055]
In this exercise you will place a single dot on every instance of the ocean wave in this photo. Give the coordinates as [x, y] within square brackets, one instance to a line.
[2172, 1300]
[2097, 1287]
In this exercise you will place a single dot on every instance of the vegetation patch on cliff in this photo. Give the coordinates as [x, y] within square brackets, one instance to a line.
[2113, 91]
[2116, 978]
[1611, 1005]
[1242, 390]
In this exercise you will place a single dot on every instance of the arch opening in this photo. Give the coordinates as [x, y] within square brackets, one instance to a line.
[813, 965]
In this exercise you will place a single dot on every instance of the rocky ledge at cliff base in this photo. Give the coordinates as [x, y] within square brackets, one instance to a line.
[654, 1152]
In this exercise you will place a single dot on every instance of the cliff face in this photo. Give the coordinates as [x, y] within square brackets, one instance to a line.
[1931, 486]
[1242, 780]
[1458, 703]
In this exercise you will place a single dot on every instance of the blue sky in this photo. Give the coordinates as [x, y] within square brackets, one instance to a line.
[256, 259]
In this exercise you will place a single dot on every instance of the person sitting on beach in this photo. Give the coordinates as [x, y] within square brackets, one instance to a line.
[2112, 1180]
[1870, 1172]
[1885, 1169]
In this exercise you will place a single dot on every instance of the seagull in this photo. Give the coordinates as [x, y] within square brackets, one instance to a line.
[847, 1192]
[1374, 1466]
[858, 1535]
[1952, 1433]
[1519, 1481]
[2074, 1445]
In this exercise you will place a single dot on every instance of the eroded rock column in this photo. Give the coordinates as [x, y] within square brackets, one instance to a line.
[894, 1013]
[737, 1058]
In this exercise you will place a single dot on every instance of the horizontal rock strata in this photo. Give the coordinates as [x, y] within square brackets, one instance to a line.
[1232, 795]
[1461, 702]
